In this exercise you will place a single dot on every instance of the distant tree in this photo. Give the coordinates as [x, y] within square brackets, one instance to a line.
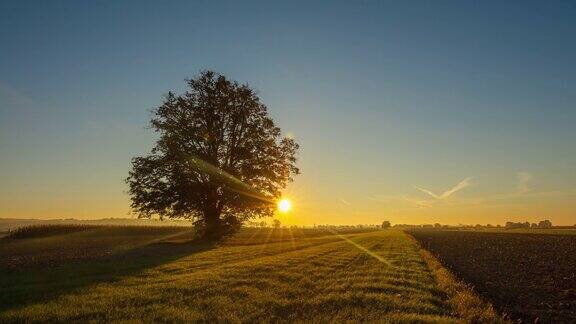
[533, 225]
[437, 225]
[517, 225]
[276, 223]
[262, 224]
[545, 224]
[219, 159]
[526, 224]
[385, 224]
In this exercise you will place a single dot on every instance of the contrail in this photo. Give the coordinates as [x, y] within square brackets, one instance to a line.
[524, 179]
[428, 192]
[461, 185]
[344, 202]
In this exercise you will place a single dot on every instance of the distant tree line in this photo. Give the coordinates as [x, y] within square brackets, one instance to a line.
[275, 223]
[508, 225]
[386, 224]
[542, 224]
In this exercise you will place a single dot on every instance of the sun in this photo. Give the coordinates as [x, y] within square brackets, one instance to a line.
[284, 205]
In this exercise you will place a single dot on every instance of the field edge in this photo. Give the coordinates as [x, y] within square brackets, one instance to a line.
[463, 300]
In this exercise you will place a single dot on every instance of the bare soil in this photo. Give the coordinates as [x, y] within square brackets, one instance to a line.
[529, 277]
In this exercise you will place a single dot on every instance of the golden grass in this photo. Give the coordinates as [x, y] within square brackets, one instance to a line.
[463, 300]
[312, 276]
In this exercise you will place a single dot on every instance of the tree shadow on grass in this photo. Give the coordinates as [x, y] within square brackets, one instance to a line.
[21, 288]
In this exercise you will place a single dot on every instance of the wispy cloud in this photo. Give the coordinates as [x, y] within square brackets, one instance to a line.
[524, 179]
[428, 192]
[524, 190]
[461, 185]
[432, 198]
[422, 203]
[446, 194]
[344, 202]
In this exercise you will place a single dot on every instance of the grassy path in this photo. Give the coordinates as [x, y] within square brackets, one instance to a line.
[375, 276]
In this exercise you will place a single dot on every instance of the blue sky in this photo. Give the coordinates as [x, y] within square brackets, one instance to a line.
[384, 98]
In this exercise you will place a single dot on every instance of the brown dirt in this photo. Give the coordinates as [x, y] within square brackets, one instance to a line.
[529, 277]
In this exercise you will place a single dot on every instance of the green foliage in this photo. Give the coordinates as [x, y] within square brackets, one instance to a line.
[219, 161]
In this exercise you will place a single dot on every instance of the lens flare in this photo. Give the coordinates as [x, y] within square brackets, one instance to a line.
[284, 205]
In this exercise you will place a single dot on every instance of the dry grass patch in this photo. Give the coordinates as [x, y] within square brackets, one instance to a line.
[465, 303]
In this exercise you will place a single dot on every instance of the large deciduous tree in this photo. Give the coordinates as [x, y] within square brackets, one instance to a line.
[219, 159]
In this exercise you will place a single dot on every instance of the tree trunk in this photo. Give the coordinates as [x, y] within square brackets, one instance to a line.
[213, 225]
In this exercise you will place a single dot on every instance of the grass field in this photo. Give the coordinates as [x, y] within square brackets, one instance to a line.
[260, 275]
[525, 274]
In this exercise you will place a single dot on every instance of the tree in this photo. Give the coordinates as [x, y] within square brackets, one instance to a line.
[517, 225]
[219, 159]
[276, 223]
[545, 224]
[385, 224]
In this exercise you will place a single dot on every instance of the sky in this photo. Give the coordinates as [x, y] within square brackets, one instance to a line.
[457, 112]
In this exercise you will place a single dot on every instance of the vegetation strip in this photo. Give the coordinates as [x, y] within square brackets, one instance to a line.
[465, 303]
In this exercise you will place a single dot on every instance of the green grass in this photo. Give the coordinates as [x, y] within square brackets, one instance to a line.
[260, 275]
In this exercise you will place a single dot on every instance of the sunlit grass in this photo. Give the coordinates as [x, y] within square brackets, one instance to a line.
[261, 275]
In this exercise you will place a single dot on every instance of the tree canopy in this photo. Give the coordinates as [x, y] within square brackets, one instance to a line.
[219, 160]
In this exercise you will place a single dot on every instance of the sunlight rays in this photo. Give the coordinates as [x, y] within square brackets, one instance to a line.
[233, 183]
[268, 235]
[256, 232]
[370, 253]
[292, 240]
